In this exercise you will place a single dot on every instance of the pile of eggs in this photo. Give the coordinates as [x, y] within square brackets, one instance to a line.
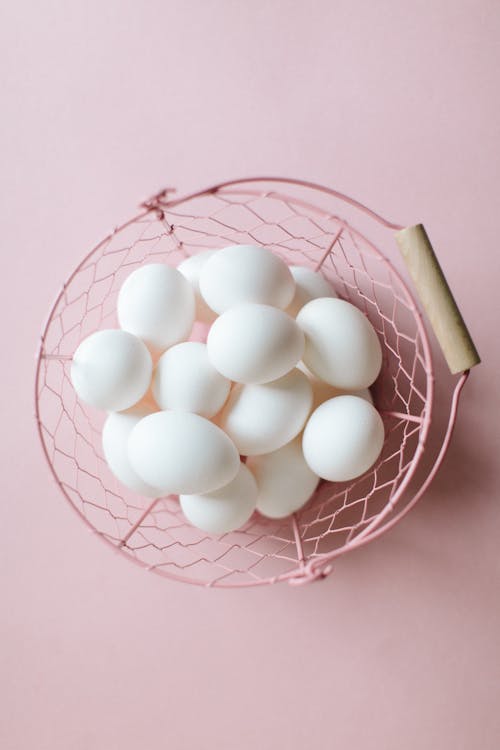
[275, 400]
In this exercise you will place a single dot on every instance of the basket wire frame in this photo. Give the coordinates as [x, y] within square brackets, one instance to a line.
[304, 224]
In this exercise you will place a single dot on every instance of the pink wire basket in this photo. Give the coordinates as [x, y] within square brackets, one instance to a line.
[305, 224]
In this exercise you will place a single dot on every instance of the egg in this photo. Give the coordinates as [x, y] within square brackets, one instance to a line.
[245, 273]
[343, 438]
[111, 370]
[324, 391]
[225, 509]
[309, 285]
[157, 304]
[115, 435]
[254, 343]
[191, 270]
[182, 453]
[341, 346]
[284, 480]
[262, 418]
[186, 380]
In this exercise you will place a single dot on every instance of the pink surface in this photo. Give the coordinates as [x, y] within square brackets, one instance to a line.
[394, 103]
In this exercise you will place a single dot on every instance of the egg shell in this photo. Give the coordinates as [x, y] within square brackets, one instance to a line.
[186, 380]
[157, 304]
[225, 509]
[254, 343]
[309, 285]
[262, 418]
[343, 438]
[115, 435]
[182, 453]
[284, 480]
[191, 270]
[341, 345]
[245, 273]
[111, 370]
[324, 391]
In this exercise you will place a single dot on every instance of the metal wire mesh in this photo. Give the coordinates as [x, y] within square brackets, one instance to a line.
[305, 225]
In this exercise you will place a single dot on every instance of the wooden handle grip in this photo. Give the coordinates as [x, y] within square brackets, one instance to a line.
[437, 299]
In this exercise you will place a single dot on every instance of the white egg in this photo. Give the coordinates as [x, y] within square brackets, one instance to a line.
[182, 453]
[309, 285]
[343, 438]
[262, 418]
[186, 380]
[254, 343]
[341, 347]
[324, 391]
[115, 435]
[284, 480]
[225, 509]
[111, 370]
[191, 270]
[157, 304]
[245, 273]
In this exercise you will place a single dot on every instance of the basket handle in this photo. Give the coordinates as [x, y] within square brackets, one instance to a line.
[436, 297]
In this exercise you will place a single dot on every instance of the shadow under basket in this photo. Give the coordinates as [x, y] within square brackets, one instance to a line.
[307, 225]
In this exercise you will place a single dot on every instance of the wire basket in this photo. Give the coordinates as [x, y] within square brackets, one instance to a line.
[304, 224]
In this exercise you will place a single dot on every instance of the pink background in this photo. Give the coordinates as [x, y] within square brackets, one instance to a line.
[393, 102]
